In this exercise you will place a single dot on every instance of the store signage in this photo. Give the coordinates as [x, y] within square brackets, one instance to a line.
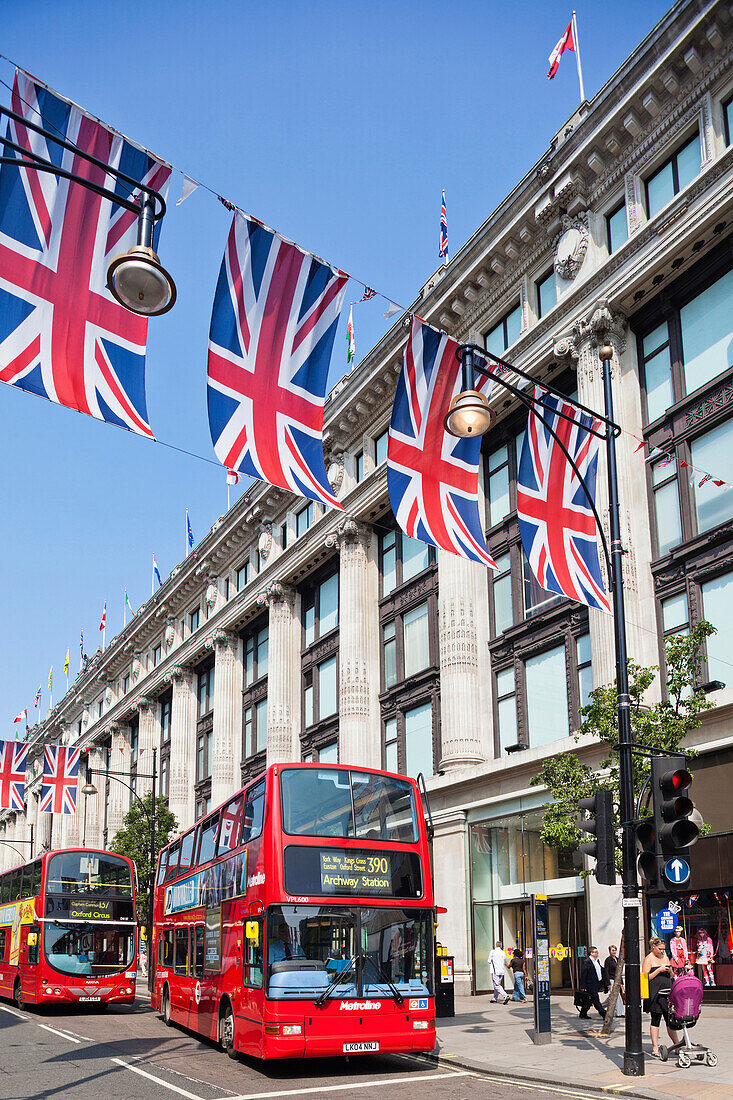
[666, 920]
[541, 950]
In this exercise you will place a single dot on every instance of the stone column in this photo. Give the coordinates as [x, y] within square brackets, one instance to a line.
[604, 325]
[451, 886]
[181, 797]
[465, 728]
[358, 700]
[283, 678]
[119, 795]
[227, 735]
[148, 738]
[92, 806]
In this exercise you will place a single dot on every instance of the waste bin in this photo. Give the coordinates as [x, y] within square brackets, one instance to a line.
[445, 1002]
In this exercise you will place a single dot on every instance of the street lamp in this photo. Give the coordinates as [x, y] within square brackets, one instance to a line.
[468, 414]
[608, 430]
[89, 789]
[136, 279]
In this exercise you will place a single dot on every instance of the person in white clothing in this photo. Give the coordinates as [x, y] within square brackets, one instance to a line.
[497, 960]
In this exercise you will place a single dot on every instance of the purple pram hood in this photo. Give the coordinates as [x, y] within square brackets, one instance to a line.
[685, 997]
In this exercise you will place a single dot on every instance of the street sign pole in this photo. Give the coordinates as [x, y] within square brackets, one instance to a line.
[541, 949]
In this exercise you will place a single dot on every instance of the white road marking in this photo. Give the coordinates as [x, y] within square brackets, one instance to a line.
[157, 1080]
[13, 1012]
[63, 1034]
[351, 1085]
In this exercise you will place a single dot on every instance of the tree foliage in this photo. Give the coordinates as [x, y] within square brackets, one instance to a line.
[661, 726]
[133, 839]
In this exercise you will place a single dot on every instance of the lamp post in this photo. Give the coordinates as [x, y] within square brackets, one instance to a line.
[90, 789]
[468, 416]
[136, 279]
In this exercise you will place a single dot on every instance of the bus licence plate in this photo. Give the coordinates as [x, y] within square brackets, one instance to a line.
[359, 1048]
[90, 998]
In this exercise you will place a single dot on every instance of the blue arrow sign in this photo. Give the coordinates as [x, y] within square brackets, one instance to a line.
[677, 871]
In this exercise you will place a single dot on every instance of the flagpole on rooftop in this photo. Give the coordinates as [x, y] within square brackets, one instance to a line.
[577, 56]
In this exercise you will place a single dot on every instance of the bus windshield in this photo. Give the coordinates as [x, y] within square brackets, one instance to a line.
[89, 873]
[340, 802]
[375, 949]
[88, 949]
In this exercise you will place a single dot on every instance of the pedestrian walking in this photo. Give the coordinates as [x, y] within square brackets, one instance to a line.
[518, 967]
[591, 983]
[609, 973]
[659, 969]
[497, 961]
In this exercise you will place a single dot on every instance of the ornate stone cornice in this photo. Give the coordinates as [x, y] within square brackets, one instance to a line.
[277, 592]
[349, 531]
[601, 325]
[178, 673]
[222, 639]
[146, 705]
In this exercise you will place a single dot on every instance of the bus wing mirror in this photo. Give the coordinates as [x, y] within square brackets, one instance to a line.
[252, 931]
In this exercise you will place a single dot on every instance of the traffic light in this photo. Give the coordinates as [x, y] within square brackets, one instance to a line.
[650, 856]
[600, 825]
[672, 807]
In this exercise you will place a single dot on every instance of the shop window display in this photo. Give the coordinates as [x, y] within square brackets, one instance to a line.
[702, 940]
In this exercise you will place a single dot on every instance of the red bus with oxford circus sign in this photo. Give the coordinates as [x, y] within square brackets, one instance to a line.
[68, 929]
[297, 919]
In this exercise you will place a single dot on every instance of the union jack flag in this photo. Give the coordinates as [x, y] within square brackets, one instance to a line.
[557, 525]
[432, 476]
[12, 775]
[60, 772]
[275, 315]
[62, 334]
[229, 830]
[443, 245]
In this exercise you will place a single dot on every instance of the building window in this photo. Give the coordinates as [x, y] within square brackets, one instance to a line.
[126, 684]
[717, 601]
[728, 120]
[498, 485]
[100, 708]
[401, 559]
[327, 702]
[326, 754]
[712, 451]
[203, 805]
[256, 650]
[134, 740]
[390, 745]
[536, 598]
[406, 645]
[501, 591]
[205, 690]
[505, 332]
[585, 668]
[666, 505]
[166, 708]
[673, 175]
[203, 755]
[321, 609]
[303, 519]
[193, 620]
[157, 655]
[675, 615]
[380, 448]
[506, 708]
[164, 776]
[617, 228]
[243, 575]
[359, 466]
[389, 653]
[255, 728]
[419, 740]
[546, 293]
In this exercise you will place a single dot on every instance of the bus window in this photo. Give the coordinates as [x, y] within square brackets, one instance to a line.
[180, 963]
[162, 864]
[384, 807]
[186, 852]
[198, 964]
[173, 853]
[3, 937]
[252, 957]
[4, 889]
[336, 802]
[231, 823]
[208, 838]
[254, 809]
[166, 947]
[35, 884]
[16, 881]
[34, 944]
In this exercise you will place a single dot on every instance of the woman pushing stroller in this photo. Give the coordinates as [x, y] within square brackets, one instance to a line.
[659, 968]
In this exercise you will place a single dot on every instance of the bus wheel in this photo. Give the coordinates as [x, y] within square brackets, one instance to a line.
[166, 1008]
[226, 1030]
[18, 994]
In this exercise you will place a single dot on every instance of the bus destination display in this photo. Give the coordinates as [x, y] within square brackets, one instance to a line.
[356, 872]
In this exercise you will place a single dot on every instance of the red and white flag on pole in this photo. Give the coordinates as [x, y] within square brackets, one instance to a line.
[103, 623]
[567, 42]
[23, 716]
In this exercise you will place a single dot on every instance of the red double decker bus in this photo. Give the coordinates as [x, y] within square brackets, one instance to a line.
[68, 929]
[297, 920]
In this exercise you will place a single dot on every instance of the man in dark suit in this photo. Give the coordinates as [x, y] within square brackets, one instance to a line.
[592, 982]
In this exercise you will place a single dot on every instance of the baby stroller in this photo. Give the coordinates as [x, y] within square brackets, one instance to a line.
[685, 1000]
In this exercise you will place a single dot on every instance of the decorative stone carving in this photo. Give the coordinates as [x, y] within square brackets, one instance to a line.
[349, 530]
[137, 666]
[169, 635]
[222, 639]
[571, 245]
[277, 592]
[177, 673]
[211, 593]
[264, 543]
[336, 472]
[581, 345]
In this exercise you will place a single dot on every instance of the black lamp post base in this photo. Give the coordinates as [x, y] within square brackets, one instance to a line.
[633, 1064]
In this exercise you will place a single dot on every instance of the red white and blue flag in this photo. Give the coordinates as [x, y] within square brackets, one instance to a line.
[12, 775]
[275, 316]
[443, 243]
[231, 821]
[432, 476]
[60, 773]
[558, 528]
[62, 334]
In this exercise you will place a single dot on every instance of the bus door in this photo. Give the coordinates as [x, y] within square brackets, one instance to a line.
[181, 985]
[250, 1011]
[28, 959]
[204, 988]
[6, 977]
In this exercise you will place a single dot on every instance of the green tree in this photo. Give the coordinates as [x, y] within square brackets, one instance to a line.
[661, 726]
[133, 840]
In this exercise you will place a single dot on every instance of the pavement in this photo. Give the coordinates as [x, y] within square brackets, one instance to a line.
[497, 1039]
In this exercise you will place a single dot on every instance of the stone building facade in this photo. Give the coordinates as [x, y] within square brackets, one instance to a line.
[291, 632]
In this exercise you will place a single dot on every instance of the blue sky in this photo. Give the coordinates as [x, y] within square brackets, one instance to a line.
[337, 124]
